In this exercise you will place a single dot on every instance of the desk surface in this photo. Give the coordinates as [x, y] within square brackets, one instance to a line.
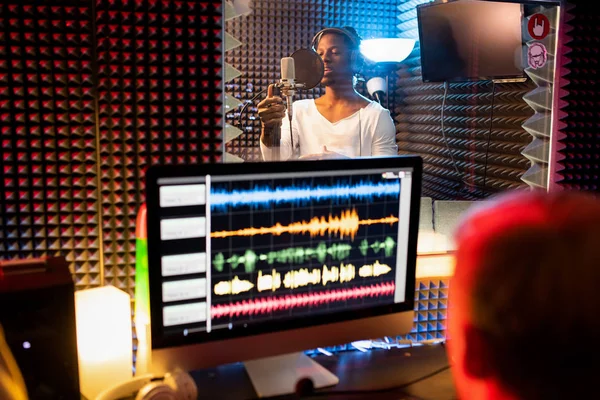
[372, 370]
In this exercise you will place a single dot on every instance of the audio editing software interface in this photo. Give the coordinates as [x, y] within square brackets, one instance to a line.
[243, 250]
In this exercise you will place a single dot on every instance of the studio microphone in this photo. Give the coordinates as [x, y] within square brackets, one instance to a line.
[377, 87]
[288, 82]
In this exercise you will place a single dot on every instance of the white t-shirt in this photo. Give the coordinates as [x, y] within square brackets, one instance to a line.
[368, 132]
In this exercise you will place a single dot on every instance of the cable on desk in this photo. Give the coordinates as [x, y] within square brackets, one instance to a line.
[305, 388]
[383, 390]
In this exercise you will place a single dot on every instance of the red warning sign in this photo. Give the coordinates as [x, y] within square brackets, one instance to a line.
[538, 26]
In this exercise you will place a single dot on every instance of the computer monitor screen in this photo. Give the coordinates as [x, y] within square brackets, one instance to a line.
[257, 259]
[465, 40]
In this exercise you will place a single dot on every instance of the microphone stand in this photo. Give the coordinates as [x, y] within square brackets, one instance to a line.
[289, 88]
[273, 139]
[275, 144]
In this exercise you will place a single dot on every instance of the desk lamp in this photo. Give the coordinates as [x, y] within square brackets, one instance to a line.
[104, 338]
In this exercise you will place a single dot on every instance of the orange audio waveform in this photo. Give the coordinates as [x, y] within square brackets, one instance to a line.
[374, 269]
[234, 286]
[346, 224]
[303, 277]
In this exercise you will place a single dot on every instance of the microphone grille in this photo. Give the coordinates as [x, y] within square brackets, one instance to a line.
[288, 69]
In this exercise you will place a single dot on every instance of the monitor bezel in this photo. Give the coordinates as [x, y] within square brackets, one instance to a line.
[522, 75]
[158, 341]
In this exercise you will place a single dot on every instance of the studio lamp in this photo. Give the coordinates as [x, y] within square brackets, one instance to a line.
[387, 50]
[386, 53]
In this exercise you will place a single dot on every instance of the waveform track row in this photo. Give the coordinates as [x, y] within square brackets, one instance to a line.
[265, 196]
[387, 246]
[303, 277]
[375, 269]
[268, 305]
[345, 225]
[295, 255]
[234, 286]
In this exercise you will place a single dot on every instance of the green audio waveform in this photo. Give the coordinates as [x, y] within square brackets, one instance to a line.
[387, 245]
[297, 255]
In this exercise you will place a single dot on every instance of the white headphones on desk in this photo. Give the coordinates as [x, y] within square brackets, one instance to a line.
[178, 385]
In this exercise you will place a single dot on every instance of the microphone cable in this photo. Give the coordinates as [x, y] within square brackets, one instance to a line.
[458, 174]
[241, 124]
[289, 113]
[291, 133]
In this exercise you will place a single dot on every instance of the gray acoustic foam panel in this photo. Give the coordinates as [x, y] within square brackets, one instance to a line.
[466, 126]
[426, 215]
[275, 29]
[447, 215]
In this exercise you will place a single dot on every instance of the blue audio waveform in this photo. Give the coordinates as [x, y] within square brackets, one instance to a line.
[265, 196]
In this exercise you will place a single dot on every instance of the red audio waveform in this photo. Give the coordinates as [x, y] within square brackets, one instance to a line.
[346, 224]
[267, 305]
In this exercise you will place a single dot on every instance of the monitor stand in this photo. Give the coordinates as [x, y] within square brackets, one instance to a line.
[275, 376]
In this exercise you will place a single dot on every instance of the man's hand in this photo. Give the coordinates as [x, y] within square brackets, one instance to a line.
[271, 110]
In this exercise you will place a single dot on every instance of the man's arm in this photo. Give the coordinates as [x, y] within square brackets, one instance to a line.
[384, 138]
[271, 112]
[268, 147]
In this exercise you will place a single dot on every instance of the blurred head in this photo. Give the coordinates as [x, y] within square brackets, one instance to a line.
[340, 50]
[523, 303]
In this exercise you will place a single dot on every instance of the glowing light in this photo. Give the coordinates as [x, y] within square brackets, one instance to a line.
[104, 347]
[387, 49]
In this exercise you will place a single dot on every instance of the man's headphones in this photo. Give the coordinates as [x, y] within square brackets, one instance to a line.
[356, 58]
[178, 385]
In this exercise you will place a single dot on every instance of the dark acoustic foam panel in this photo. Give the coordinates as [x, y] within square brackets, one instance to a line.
[468, 139]
[159, 102]
[49, 201]
[579, 136]
[91, 94]
[275, 29]
[430, 314]
[431, 309]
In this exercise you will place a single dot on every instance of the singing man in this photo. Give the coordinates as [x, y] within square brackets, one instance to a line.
[340, 124]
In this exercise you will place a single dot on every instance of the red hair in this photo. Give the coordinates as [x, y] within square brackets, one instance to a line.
[528, 263]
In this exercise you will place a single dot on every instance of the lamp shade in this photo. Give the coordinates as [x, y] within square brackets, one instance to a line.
[387, 49]
[104, 338]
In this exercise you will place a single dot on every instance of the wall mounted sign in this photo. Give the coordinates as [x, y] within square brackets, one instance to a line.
[538, 26]
[537, 56]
